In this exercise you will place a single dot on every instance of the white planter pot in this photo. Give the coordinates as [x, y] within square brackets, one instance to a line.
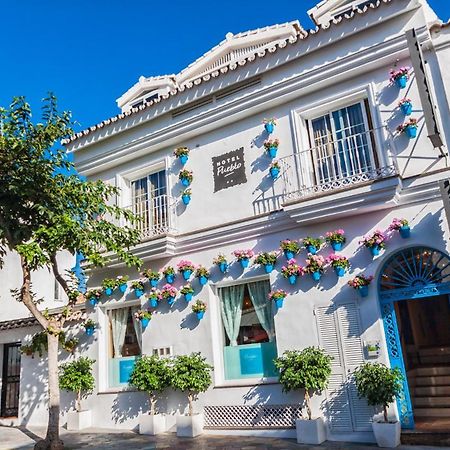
[79, 420]
[311, 431]
[387, 434]
[152, 425]
[190, 426]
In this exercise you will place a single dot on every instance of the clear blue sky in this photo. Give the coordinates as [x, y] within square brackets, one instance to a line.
[88, 52]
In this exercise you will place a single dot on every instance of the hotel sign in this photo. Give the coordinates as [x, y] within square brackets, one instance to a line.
[229, 169]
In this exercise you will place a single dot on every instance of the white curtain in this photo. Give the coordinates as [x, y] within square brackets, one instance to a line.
[258, 294]
[137, 326]
[118, 318]
[231, 307]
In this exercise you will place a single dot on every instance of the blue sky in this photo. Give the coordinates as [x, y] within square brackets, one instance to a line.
[89, 52]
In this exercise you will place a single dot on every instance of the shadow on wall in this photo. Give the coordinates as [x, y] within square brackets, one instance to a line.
[129, 405]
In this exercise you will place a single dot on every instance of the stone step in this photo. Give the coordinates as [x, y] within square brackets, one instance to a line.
[438, 439]
[432, 412]
[432, 351]
[432, 402]
[435, 359]
[443, 380]
[426, 391]
[430, 371]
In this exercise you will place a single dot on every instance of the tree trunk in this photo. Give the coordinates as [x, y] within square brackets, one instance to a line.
[191, 409]
[385, 413]
[152, 404]
[308, 404]
[78, 402]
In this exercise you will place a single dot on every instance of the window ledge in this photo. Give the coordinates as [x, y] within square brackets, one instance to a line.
[247, 382]
[116, 390]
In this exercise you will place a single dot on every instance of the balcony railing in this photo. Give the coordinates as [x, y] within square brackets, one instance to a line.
[336, 164]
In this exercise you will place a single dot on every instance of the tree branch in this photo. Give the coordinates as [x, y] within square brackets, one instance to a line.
[59, 278]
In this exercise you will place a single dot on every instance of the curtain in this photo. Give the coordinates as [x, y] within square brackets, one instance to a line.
[119, 319]
[231, 308]
[258, 294]
[137, 326]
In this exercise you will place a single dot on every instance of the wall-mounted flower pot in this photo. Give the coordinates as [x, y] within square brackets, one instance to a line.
[316, 276]
[223, 267]
[153, 302]
[187, 274]
[185, 182]
[311, 249]
[154, 282]
[152, 424]
[200, 315]
[387, 435]
[170, 300]
[402, 81]
[186, 199]
[90, 331]
[188, 296]
[203, 280]
[184, 159]
[93, 301]
[279, 302]
[405, 231]
[274, 172]
[244, 262]
[268, 268]
[170, 278]
[375, 250]
[406, 108]
[189, 426]
[311, 432]
[145, 322]
[336, 246]
[292, 279]
[269, 127]
[79, 420]
[123, 288]
[272, 151]
[411, 132]
[363, 291]
[289, 255]
[340, 271]
[138, 293]
[108, 291]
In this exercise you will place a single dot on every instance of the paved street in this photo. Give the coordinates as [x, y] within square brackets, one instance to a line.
[15, 439]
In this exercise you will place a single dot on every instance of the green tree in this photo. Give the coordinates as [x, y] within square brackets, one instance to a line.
[150, 374]
[308, 369]
[191, 374]
[45, 211]
[378, 384]
[76, 376]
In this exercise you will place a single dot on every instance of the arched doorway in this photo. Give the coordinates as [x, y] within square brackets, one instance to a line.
[414, 288]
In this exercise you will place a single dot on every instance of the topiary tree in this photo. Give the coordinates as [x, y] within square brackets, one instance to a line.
[191, 374]
[308, 369]
[76, 376]
[378, 384]
[150, 374]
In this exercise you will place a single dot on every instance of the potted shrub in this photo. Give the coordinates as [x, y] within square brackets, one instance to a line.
[409, 128]
[185, 268]
[89, 327]
[402, 226]
[374, 242]
[186, 177]
[274, 170]
[188, 291]
[154, 297]
[152, 276]
[169, 292]
[336, 239]
[138, 288]
[399, 76]
[108, 286]
[312, 245]
[190, 374]
[315, 265]
[202, 273]
[269, 124]
[122, 281]
[380, 385]
[271, 146]
[169, 274]
[93, 296]
[143, 316]
[150, 374]
[309, 370]
[361, 284]
[267, 259]
[221, 262]
[243, 256]
[291, 271]
[199, 308]
[186, 196]
[290, 248]
[278, 297]
[339, 263]
[405, 104]
[182, 153]
[76, 376]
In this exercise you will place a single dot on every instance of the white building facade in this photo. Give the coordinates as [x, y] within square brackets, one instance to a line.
[342, 166]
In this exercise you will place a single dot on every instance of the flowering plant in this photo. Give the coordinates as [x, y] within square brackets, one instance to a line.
[271, 143]
[314, 242]
[202, 272]
[397, 224]
[338, 261]
[243, 254]
[411, 123]
[169, 270]
[377, 238]
[335, 236]
[110, 283]
[150, 274]
[89, 324]
[185, 265]
[168, 291]
[314, 263]
[142, 314]
[403, 101]
[360, 280]
[137, 285]
[397, 73]
[187, 174]
[155, 294]
[187, 289]
[187, 192]
[271, 120]
[279, 293]
[122, 279]
[220, 259]
[94, 293]
[181, 151]
[289, 246]
[266, 258]
[292, 269]
[199, 306]
[275, 165]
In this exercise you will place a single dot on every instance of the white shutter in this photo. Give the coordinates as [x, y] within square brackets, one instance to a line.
[340, 336]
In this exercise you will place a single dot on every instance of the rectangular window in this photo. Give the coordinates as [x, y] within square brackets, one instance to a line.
[150, 203]
[124, 344]
[249, 329]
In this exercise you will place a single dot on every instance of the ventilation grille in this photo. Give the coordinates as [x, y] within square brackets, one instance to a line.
[238, 88]
[192, 106]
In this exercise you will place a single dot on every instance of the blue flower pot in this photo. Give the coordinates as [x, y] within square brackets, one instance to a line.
[375, 250]
[188, 296]
[268, 268]
[274, 172]
[153, 302]
[316, 276]
[108, 291]
[154, 282]
[187, 274]
[170, 278]
[311, 249]
[363, 291]
[244, 262]
[402, 81]
[203, 280]
[138, 293]
[289, 255]
[123, 288]
[292, 279]
[223, 267]
[406, 108]
[200, 315]
[340, 271]
[184, 159]
[185, 182]
[93, 301]
[272, 152]
[279, 302]
[90, 331]
[336, 246]
[145, 322]
[170, 300]
[405, 232]
[411, 132]
[186, 199]
[269, 127]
